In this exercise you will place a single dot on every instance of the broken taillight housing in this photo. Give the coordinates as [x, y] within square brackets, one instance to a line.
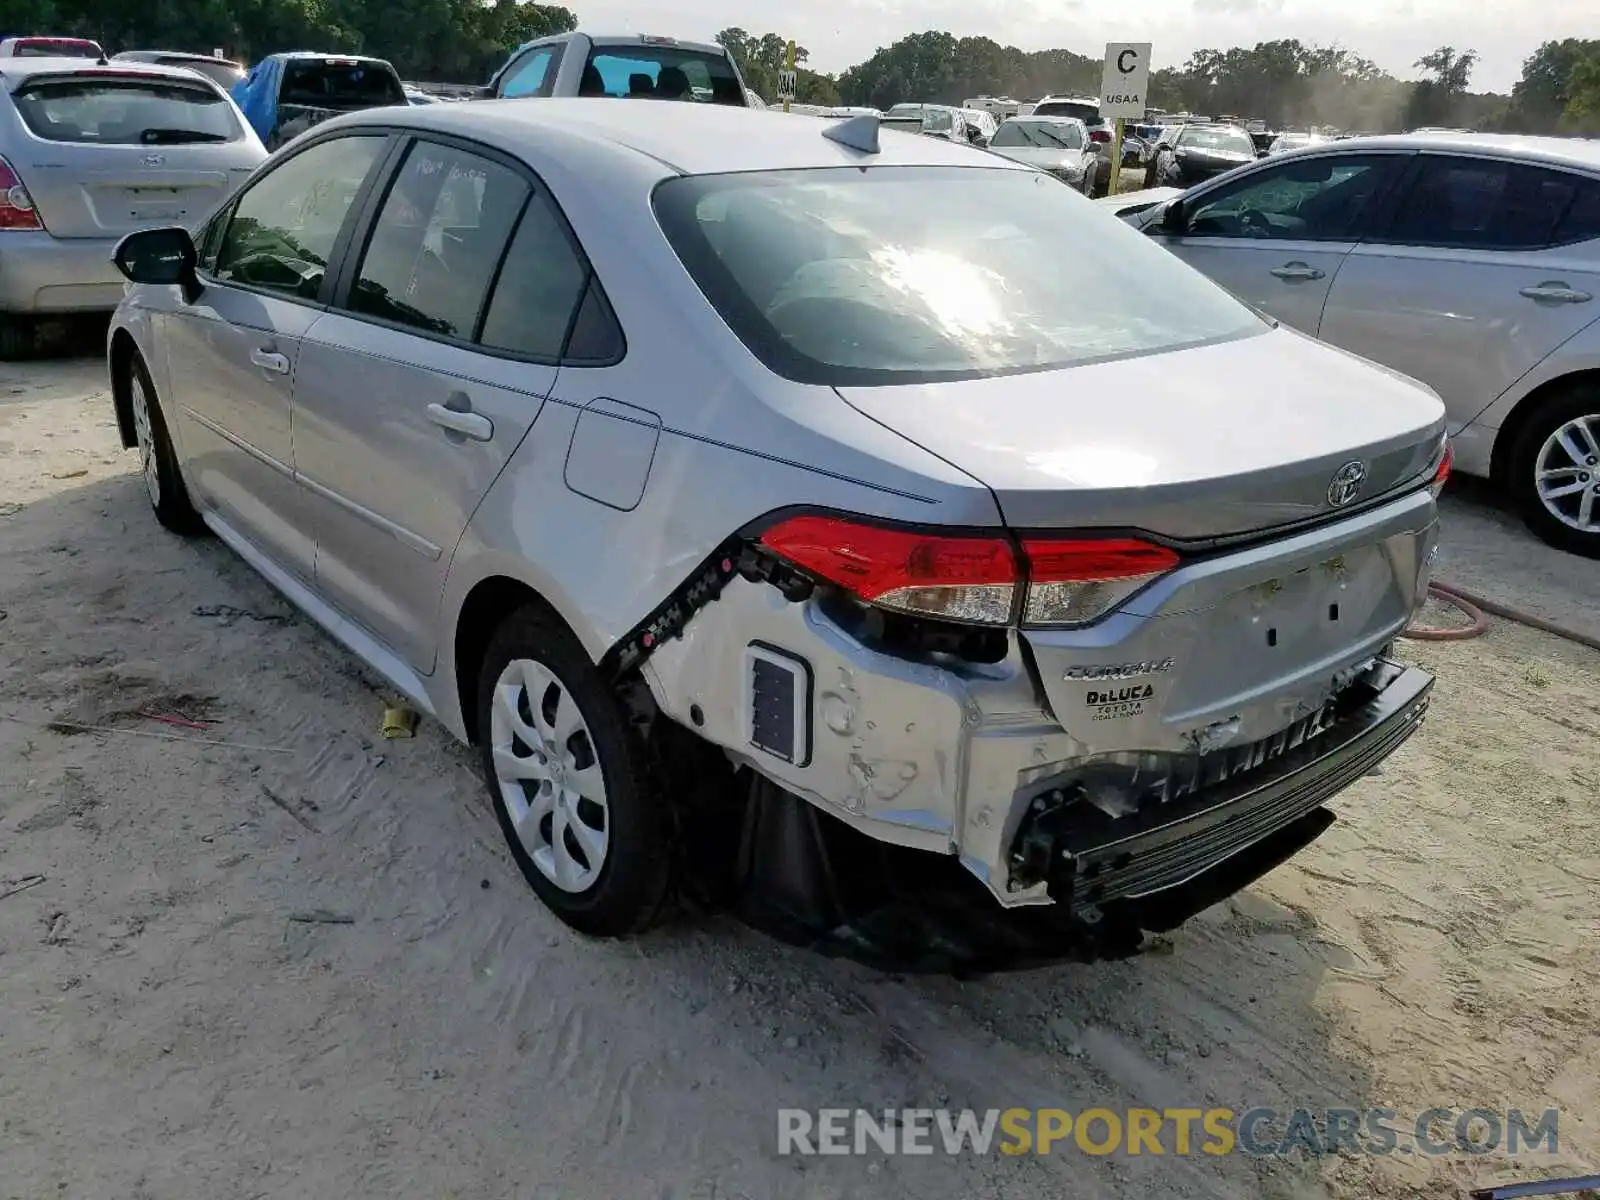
[16, 206]
[971, 578]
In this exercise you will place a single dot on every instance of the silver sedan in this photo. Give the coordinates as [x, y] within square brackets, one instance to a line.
[842, 486]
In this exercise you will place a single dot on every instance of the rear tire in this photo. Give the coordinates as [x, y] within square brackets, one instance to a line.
[18, 337]
[1554, 471]
[570, 779]
[158, 463]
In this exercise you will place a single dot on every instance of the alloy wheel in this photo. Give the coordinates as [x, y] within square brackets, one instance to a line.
[144, 435]
[1567, 473]
[549, 776]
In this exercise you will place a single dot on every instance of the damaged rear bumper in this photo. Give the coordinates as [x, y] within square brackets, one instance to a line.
[1088, 864]
[965, 759]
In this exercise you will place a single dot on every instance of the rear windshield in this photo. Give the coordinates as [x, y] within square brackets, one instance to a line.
[56, 48]
[1220, 139]
[646, 72]
[126, 112]
[1044, 135]
[340, 85]
[1089, 114]
[224, 75]
[897, 275]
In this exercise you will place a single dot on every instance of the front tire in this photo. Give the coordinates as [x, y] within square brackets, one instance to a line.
[1555, 471]
[570, 781]
[158, 462]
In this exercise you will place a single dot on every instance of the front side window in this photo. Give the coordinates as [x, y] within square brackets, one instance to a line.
[533, 75]
[437, 241]
[284, 227]
[125, 112]
[1313, 199]
[1484, 204]
[652, 72]
[896, 275]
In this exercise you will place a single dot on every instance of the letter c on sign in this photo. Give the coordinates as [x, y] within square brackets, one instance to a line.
[1127, 60]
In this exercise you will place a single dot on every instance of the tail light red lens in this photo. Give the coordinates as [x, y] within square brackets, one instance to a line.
[1074, 581]
[1441, 476]
[956, 578]
[971, 579]
[1100, 135]
[16, 206]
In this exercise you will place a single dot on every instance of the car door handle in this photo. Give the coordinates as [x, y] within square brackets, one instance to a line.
[1296, 270]
[1556, 291]
[463, 421]
[268, 361]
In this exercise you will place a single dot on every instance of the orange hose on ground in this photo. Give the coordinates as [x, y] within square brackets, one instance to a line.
[1476, 606]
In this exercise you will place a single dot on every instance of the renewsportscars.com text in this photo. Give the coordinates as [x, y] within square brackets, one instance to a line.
[1259, 1132]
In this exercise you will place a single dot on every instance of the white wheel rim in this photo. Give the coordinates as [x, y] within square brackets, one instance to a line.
[1567, 474]
[147, 442]
[548, 772]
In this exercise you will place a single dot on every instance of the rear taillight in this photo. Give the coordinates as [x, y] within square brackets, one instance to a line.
[973, 579]
[955, 578]
[1100, 135]
[1441, 474]
[1073, 581]
[16, 206]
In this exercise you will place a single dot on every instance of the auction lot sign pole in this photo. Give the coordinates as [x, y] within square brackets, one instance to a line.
[1123, 85]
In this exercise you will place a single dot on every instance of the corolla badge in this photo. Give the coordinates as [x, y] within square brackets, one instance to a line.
[155, 160]
[1346, 483]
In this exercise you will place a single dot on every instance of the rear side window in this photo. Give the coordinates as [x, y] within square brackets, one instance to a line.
[1488, 204]
[333, 83]
[896, 275]
[438, 240]
[661, 73]
[126, 112]
[1582, 221]
[539, 288]
[284, 226]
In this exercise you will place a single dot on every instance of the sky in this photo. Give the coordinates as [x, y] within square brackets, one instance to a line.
[1393, 33]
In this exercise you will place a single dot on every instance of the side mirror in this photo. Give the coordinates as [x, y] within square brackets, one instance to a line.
[161, 257]
[1173, 218]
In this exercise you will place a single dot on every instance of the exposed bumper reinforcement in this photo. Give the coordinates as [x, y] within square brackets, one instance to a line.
[1146, 854]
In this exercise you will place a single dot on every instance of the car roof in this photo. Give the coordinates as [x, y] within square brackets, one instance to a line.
[152, 55]
[684, 139]
[297, 55]
[17, 71]
[1046, 119]
[1580, 152]
[626, 39]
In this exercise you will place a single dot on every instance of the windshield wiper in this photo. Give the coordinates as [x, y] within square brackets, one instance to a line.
[169, 137]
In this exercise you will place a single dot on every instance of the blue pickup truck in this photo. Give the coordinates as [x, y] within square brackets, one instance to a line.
[286, 94]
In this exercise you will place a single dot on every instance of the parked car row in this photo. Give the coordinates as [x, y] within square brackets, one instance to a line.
[1469, 262]
[504, 396]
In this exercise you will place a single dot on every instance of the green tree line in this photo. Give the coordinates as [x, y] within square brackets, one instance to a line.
[1285, 82]
[447, 40]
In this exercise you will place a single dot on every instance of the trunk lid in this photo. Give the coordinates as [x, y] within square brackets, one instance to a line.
[1215, 441]
[103, 154]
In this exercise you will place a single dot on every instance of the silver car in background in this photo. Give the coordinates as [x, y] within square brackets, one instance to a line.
[90, 151]
[1058, 146]
[1468, 261]
[678, 452]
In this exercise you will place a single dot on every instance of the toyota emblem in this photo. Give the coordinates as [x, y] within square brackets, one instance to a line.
[1346, 483]
[155, 160]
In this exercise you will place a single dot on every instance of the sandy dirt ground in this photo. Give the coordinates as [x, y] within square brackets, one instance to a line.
[302, 964]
